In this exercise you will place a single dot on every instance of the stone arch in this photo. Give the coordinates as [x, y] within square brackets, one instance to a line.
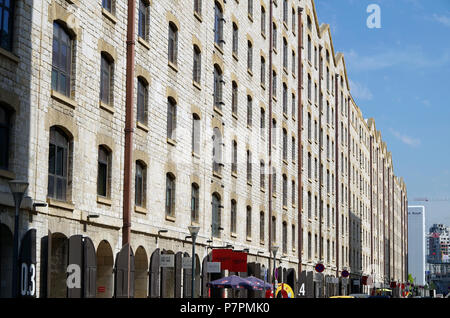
[105, 264]
[59, 256]
[140, 273]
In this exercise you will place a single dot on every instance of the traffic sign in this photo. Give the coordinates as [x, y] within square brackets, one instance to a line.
[319, 268]
[345, 273]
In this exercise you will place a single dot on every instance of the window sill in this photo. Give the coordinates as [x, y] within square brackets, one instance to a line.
[250, 17]
[9, 55]
[285, 207]
[106, 107]
[173, 66]
[235, 56]
[103, 200]
[275, 50]
[248, 238]
[7, 174]
[170, 218]
[144, 43]
[218, 111]
[109, 15]
[198, 16]
[197, 85]
[285, 25]
[285, 116]
[234, 174]
[285, 70]
[140, 210]
[249, 183]
[263, 35]
[285, 162]
[218, 48]
[263, 86]
[60, 204]
[63, 99]
[274, 195]
[217, 175]
[233, 234]
[234, 115]
[261, 242]
[262, 190]
[249, 71]
[195, 155]
[142, 126]
[171, 141]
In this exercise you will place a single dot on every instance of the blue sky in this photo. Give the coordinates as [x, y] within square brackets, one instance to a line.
[399, 75]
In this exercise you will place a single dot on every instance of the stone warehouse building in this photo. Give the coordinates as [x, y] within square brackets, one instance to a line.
[132, 121]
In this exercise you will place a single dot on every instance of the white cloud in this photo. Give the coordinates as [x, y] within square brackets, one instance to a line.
[360, 91]
[442, 19]
[410, 141]
[411, 58]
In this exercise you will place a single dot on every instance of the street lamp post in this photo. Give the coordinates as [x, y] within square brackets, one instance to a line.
[18, 189]
[274, 251]
[194, 231]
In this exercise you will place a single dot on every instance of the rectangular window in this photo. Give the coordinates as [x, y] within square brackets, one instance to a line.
[6, 24]
[142, 102]
[197, 66]
[173, 44]
[143, 18]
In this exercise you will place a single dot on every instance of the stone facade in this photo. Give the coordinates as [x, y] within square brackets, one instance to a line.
[350, 164]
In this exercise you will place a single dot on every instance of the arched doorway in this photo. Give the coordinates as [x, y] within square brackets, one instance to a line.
[167, 279]
[154, 284]
[187, 279]
[105, 263]
[6, 256]
[140, 274]
[58, 265]
[291, 279]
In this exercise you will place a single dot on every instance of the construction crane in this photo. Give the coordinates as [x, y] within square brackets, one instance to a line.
[430, 200]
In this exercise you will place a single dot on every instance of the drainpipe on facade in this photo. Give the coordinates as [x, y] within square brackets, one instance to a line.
[299, 138]
[270, 132]
[336, 159]
[371, 201]
[128, 151]
[320, 164]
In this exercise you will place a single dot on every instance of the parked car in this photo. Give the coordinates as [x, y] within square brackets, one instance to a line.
[360, 295]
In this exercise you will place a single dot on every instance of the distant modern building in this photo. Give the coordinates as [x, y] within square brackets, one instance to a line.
[416, 243]
[438, 243]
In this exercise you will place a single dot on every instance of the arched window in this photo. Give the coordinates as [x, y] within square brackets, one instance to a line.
[58, 164]
[261, 227]
[197, 65]
[274, 229]
[285, 144]
[249, 56]
[249, 111]
[216, 215]
[217, 151]
[234, 98]
[285, 99]
[142, 101]
[234, 157]
[5, 122]
[263, 20]
[144, 12]
[262, 175]
[173, 43]
[140, 185]
[235, 39]
[218, 85]
[218, 25]
[285, 190]
[263, 71]
[106, 78]
[61, 60]
[309, 246]
[6, 24]
[285, 53]
[196, 134]
[249, 222]
[104, 172]
[233, 217]
[198, 7]
[284, 237]
[249, 166]
[170, 194]
[171, 118]
[195, 202]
